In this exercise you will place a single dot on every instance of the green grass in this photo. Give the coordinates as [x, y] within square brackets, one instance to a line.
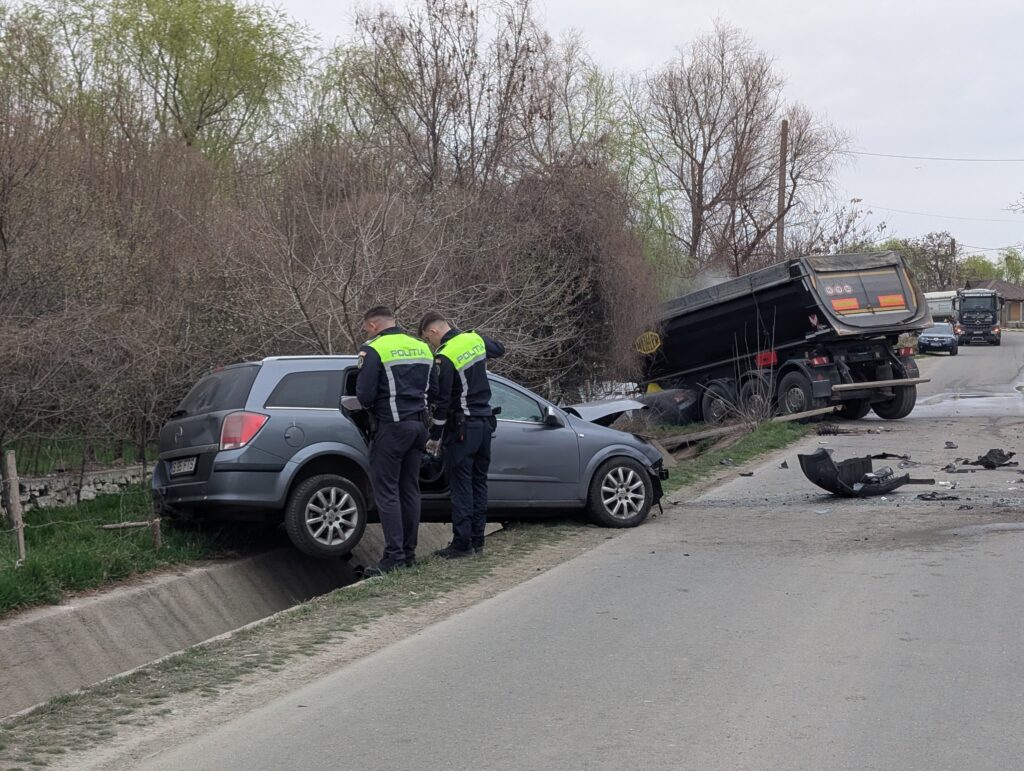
[765, 438]
[39, 457]
[67, 552]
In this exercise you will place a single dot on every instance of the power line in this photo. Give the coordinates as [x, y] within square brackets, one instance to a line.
[942, 216]
[989, 248]
[936, 158]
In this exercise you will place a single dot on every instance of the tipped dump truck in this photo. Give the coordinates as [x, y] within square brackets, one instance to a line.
[798, 336]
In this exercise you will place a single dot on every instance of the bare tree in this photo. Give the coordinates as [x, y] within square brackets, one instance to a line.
[710, 122]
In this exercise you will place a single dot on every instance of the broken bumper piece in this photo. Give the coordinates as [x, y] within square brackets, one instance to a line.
[853, 478]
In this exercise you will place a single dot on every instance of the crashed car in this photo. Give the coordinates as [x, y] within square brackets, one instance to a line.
[270, 440]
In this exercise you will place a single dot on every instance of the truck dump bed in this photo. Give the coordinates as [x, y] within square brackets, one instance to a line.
[811, 298]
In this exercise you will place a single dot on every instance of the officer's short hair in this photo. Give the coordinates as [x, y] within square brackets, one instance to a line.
[430, 317]
[378, 312]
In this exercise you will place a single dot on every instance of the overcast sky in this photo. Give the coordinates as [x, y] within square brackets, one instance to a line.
[902, 77]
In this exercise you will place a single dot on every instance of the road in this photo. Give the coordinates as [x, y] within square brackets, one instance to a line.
[763, 625]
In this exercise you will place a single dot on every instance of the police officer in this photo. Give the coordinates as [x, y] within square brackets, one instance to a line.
[460, 396]
[394, 369]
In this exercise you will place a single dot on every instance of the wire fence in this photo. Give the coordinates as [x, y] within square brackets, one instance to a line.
[14, 526]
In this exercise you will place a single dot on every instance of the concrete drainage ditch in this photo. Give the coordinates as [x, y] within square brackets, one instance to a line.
[59, 649]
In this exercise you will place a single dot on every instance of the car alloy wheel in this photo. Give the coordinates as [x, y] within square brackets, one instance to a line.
[331, 516]
[325, 516]
[623, 493]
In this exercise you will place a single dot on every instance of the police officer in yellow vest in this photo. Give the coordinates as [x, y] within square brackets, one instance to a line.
[394, 369]
[460, 396]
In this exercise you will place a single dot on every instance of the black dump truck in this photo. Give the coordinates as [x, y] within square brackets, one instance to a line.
[977, 316]
[801, 335]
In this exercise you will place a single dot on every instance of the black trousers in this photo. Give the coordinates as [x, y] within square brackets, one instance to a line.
[467, 462]
[396, 453]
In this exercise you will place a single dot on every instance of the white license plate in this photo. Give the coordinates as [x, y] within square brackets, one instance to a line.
[183, 466]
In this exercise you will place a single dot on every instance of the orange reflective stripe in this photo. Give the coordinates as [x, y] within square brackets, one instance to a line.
[846, 304]
[892, 301]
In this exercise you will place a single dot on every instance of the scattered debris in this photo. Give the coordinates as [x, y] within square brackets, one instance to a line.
[993, 459]
[950, 468]
[889, 455]
[746, 473]
[784, 464]
[852, 478]
[675, 406]
[937, 496]
[952, 445]
[728, 462]
[964, 507]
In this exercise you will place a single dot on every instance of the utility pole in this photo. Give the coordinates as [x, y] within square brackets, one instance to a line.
[954, 268]
[780, 228]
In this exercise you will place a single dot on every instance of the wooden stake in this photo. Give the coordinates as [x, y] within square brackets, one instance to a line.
[13, 499]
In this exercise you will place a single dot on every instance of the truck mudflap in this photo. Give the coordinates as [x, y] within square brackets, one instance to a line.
[840, 387]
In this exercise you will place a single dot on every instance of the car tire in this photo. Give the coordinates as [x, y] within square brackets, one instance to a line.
[998, 341]
[342, 516]
[620, 493]
[795, 394]
[717, 403]
[899, 406]
[953, 351]
[854, 410]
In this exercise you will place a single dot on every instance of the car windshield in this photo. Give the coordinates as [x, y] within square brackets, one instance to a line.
[941, 329]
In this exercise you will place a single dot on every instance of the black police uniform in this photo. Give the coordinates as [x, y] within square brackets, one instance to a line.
[393, 376]
[460, 396]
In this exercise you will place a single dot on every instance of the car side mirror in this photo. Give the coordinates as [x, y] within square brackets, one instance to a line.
[552, 418]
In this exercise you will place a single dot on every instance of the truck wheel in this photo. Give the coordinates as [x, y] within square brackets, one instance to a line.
[325, 516]
[854, 410]
[795, 394]
[756, 398]
[620, 493]
[717, 403]
[899, 406]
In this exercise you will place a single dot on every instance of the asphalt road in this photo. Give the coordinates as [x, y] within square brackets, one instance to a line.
[976, 371]
[762, 625]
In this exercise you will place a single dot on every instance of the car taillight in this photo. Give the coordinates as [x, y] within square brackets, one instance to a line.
[239, 428]
[905, 352]
[818, 361]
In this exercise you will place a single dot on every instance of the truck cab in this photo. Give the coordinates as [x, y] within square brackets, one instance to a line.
[977, 316]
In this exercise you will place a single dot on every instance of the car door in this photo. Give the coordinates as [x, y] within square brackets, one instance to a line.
[531, 463]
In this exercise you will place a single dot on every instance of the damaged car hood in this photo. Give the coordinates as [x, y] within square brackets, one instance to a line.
[604, 412]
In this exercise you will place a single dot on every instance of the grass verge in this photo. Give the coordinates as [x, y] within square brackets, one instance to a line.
[765, 438]
[93, 716]
[66, 551]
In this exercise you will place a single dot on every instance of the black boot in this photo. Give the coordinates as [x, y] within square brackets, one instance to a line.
[452, 552]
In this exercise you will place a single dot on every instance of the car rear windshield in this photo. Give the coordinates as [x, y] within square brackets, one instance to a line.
[868, 291]
[225, 389]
